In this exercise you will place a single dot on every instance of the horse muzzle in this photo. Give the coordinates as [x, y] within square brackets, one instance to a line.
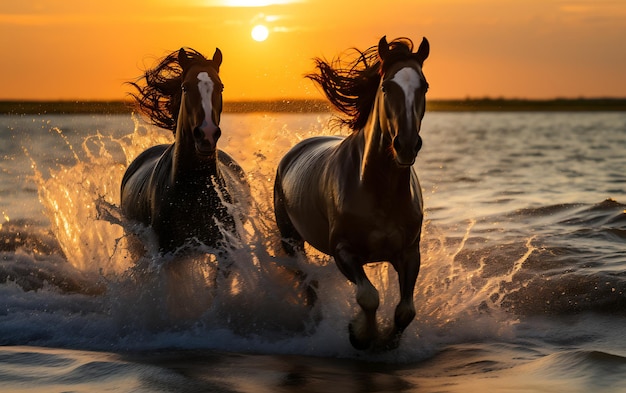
[405, 153]
[205, 138]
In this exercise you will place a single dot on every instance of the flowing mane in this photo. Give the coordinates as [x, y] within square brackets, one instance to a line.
[351, 85]
[158, 97]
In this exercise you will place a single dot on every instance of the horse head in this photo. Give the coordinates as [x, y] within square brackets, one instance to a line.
[201, 102]
[402, 91]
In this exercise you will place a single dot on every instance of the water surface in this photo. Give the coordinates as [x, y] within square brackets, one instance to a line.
[521, 288]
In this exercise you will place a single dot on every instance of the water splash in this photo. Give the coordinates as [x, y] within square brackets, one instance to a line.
[262, 293]
[71, 196]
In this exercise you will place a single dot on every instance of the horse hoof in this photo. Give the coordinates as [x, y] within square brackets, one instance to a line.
[358, 343]
[391, 343]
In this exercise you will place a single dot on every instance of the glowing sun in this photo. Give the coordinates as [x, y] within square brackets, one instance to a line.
[260, 33]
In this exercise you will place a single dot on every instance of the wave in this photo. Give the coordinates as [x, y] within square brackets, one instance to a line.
[468, 278]
[577, 262]
[77, 282]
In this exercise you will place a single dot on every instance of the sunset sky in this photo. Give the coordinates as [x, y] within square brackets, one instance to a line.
[86, 50]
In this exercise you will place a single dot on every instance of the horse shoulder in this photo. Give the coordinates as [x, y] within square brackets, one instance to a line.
[160, 185]
[302, 175]
[135, 188]
[342, 178]
[146, 160]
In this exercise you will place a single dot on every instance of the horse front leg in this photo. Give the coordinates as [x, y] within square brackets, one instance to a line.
[408, 267]
[363, 329]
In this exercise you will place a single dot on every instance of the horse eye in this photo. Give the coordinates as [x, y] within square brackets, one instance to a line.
[385, 86]
[183, 87]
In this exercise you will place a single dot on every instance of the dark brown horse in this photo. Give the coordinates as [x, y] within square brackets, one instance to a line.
[358, 199]
[182, 190]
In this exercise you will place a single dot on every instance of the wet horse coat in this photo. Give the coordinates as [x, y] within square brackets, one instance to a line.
[359, 199]
[182, 190]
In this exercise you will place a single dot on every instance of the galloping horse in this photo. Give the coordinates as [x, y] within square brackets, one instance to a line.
[180, 190]
[358, 199]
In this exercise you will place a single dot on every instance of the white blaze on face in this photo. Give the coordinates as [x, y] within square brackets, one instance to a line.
[409, 80]
[205, 87]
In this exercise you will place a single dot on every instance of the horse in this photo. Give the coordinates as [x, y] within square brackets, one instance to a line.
[182, 190]
[358, 198]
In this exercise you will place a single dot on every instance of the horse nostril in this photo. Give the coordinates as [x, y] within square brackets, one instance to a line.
[218, 133]
[198, 134]
[418, 145]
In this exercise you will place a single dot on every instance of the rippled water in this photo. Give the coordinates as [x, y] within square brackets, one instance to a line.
[522, 285]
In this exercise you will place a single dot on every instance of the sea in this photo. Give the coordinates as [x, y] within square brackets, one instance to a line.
[522, 286]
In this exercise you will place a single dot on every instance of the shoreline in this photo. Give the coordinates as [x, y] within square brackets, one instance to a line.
[16, 107]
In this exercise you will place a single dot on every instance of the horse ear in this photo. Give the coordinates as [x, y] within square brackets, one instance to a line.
[423, 51]
[183, 60]
[383, 48]
[217, 58]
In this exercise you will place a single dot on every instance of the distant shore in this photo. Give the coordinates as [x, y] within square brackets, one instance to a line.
[320, 106]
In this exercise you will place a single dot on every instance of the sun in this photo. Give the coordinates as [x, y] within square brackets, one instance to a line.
[260, 33]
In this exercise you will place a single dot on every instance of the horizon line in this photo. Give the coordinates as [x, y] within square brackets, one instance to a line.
[301, 105]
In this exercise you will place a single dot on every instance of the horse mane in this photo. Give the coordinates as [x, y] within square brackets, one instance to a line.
[351, 85]
[158, 90]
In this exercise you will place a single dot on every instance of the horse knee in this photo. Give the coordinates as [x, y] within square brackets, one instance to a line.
[367, 297]
[404, 315]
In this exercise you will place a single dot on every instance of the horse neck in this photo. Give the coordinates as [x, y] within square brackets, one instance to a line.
[185, 161]
[379, 169]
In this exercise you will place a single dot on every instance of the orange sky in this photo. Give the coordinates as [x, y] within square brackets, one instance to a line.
[78, 49]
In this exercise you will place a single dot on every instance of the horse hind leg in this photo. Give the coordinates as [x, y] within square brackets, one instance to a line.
[291, 240]
[293, 243]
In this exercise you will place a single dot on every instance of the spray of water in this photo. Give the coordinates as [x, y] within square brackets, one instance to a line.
[253, 290]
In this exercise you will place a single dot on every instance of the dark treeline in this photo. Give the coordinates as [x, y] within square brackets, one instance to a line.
[312, 106]
[521, 105]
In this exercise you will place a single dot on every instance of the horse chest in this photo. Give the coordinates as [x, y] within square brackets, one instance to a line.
[385, 237]
[380, 232]
[197, 203]
[388, 232]
[188, 212]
